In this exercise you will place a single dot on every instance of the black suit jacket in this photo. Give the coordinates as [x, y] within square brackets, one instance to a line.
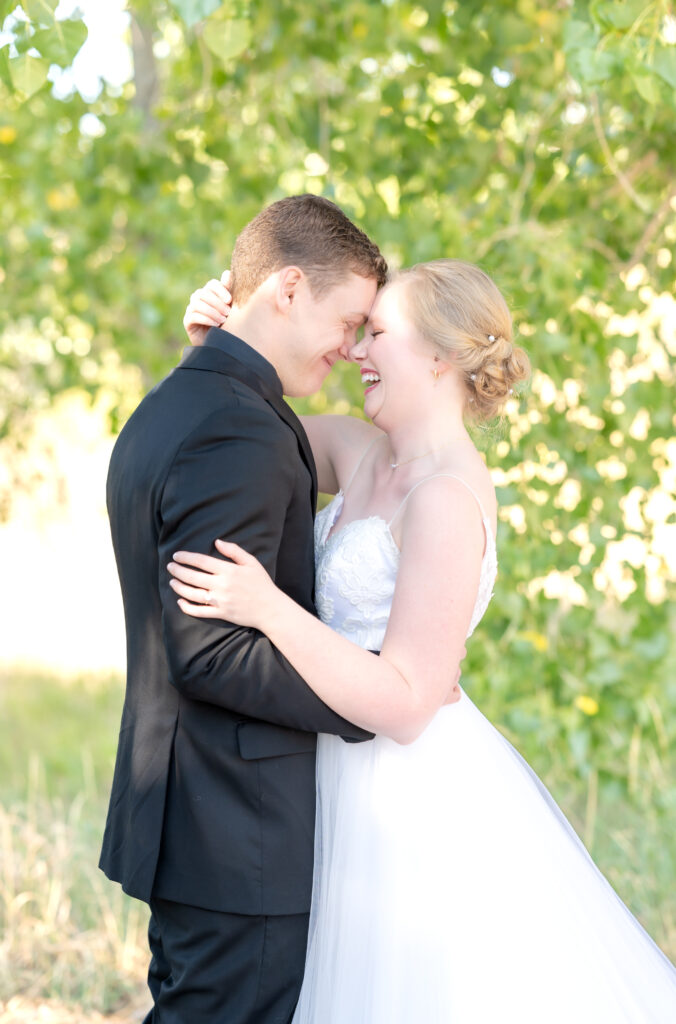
[213, 796]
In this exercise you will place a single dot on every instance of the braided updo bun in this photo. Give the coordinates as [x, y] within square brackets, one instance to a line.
[460, 311]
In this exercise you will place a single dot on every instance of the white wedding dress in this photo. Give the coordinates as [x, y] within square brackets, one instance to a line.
[449, 888]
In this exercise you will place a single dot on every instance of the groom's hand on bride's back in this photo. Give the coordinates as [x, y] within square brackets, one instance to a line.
[209, 307]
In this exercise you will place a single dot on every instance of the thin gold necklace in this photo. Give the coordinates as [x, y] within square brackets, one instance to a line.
[432, 451]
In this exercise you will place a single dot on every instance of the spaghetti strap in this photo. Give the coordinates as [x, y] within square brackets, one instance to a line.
[434, 476]
[356, 468]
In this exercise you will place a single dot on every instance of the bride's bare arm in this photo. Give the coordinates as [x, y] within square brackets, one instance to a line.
[398, 693]
[337, 443]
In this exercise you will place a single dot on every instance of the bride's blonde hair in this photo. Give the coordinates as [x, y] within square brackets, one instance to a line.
[461, 312]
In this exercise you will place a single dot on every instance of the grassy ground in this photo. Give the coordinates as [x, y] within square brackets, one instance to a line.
[73, 948]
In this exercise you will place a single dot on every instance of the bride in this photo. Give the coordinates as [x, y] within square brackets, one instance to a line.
[449, 888]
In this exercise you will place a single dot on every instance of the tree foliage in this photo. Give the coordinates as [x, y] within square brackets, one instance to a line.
[534, 138]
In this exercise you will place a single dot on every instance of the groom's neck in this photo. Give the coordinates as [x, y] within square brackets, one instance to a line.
[253, 325]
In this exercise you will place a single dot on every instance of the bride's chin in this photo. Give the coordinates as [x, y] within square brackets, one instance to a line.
[374, 411]
[371, 405]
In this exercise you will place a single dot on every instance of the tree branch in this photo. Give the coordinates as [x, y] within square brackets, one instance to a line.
[610, 159]
[511, 231]
[605, 251]
[207, 62]
[651, 230]
[528, 172]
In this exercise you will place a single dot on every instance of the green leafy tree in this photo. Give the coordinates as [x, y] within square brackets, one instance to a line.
[535, 139]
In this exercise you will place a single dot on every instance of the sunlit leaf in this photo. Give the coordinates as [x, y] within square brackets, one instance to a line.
[579, 35]
[388, 190]
[60, 44]
[40, 11]
[647, 85]
[227, 39]
[5, 75]
[28, 73]
[517, 31]
[592, 66]
[192, 11]
[664, 63]
[6, 7]
[620, 15]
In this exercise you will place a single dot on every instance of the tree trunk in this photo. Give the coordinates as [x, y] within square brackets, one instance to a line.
[145, 70]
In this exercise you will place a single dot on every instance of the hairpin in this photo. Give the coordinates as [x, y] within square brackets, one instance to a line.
[472, 376]
[491, 337]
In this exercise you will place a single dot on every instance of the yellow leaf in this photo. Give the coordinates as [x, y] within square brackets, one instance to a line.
[63, 198]
[537, 640]
[586, 704]
[7, 134]
[388, 190]
[418, 17]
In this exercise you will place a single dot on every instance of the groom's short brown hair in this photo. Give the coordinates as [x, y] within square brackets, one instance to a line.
[309, 232]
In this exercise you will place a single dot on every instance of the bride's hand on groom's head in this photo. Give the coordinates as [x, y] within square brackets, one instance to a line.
[209, 307]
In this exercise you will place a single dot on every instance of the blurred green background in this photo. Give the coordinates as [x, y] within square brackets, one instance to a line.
[534, 138]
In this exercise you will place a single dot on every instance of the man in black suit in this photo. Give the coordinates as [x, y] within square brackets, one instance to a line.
[211, 817]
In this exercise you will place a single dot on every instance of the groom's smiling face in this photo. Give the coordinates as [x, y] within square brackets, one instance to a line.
[324, 329]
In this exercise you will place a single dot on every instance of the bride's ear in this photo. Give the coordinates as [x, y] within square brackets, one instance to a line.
[441, 366]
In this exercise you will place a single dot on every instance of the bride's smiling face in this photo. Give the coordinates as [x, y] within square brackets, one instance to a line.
[396, 363]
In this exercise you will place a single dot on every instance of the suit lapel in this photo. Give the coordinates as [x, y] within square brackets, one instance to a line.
[207, 357]
[288, 415]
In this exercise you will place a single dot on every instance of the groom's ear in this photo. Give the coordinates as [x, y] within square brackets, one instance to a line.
[290, 280]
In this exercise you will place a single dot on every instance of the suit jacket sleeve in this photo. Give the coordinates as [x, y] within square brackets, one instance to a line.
[233, 478]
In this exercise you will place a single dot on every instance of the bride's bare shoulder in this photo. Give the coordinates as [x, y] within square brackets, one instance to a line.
[479, 477]
[470, 468]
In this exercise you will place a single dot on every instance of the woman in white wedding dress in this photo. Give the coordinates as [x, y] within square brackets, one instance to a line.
[449, 888]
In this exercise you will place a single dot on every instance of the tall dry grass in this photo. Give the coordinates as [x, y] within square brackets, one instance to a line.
[67, 933]
[70, 941]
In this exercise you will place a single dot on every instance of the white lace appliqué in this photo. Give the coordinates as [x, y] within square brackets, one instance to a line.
[356, 573]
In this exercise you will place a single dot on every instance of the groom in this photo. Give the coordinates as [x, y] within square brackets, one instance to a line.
[211, 817]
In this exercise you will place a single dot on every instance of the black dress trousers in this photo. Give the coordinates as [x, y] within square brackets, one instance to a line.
[213, 968]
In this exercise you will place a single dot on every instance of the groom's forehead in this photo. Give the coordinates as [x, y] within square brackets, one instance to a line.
[356, 318]
[355, 295]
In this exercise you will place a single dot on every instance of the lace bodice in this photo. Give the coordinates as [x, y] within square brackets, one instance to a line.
[356, 572]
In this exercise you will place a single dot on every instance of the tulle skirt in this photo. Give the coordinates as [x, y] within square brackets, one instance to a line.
[449, 887]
